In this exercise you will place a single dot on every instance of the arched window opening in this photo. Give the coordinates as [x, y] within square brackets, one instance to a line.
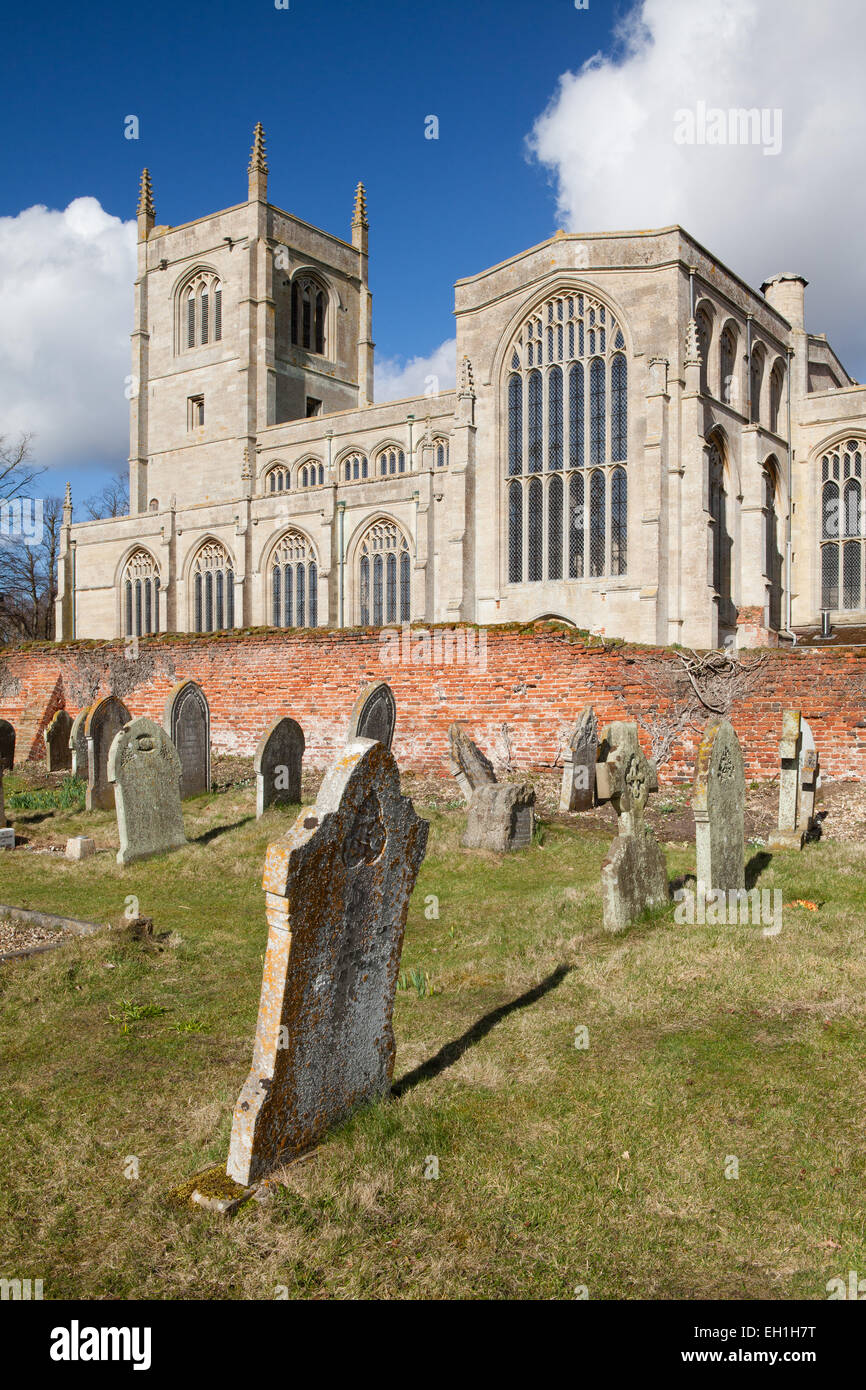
[705, 336]
[718, 499]
[140, 591]
[277, 479]
[391, 461]
[727, 366]
[308, 315]
[843, 580]
[777, 382]
[383, 558]
[566, 401]
[772, 551]
[355, 467]
[294, 582]
[213, 589]
[440, 448]
[756, 377]
[201, 311]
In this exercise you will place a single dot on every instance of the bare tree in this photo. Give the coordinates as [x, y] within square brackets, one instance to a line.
[112, 500]
[16, 470]
[28, 579]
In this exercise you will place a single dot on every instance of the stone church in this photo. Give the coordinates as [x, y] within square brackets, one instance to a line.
[639, 444]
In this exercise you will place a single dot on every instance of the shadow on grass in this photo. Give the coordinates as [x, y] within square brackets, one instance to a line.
[209, 835]
[453, 1051]
[756, 866]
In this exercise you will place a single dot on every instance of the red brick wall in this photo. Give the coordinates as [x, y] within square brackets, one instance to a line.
[519, 709]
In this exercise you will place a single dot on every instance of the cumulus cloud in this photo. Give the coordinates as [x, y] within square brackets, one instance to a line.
[607, 138]
[66, 310]
[395, 377]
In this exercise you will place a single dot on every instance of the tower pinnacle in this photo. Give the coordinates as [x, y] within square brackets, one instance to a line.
[258, 166]
[145, 210]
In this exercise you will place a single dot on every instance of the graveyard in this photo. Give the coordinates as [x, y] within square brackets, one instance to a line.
[585, 1097]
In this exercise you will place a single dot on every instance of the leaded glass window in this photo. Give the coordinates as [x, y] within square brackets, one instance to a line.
[294, 582]
[309, 310]
[140, 588]
[554, 529]
[384, 556]
[536, 529]
[843, 584]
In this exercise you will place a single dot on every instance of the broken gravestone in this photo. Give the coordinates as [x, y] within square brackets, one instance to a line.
[104, 719]
[797, 783]
[719, 805]
[277, 765]
[634, 875]
[468, 764]
[187, 722]
[374, 714]
[144, 769]
[78, 744]
[58, 754]
[578, 773]
[337, 891]
[501, 818]
[7, 745]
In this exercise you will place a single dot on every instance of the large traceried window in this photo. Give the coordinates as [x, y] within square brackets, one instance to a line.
[843, 527]
[294, 582]
[201, 308]
[309, 314]
[384, 575]
[213, 589]
[140, 595]
[566, 398]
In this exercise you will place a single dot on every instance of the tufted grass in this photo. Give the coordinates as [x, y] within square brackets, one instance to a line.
[558, 1166]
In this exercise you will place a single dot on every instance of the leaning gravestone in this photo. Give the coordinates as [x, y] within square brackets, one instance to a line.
[374, 714]
[58, 754]
[7, 745]
[277, 765]
[799, 773]
[144, 769]
[634, 875]
[187, 722]
[104, 719]
[78, 743]
[468, 764]
[337, 890]
[719, 805]
[578, 773]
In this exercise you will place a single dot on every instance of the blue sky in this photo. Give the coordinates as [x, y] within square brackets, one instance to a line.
[343, 90]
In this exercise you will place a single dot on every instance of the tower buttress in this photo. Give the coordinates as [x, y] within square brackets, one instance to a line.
[360, 241]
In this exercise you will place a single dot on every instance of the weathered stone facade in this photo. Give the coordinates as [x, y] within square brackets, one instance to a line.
[615, 452]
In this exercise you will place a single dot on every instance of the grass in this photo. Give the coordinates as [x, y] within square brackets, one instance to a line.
[558, 1164]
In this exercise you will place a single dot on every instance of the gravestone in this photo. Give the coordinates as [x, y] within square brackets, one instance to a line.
[78, 743]
[277, 765]
[144, 769]
[187, 723]
[719, 805]
[2, 807]
[7, 745]
[80, 847]
[104, 719]
[634, 874]
[374, 714]
[578, 773]
[501, 818]
[58, 754]
[337, 890]
[797, 783]
[468, 764]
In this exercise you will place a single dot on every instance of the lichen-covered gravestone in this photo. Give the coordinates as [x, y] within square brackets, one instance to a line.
[277, 765]
[719, 803]
[468, 764]
[78, 743]
[187, 722]
[578, 773]
[634, 874]
[337, 890]
[144, 769]
[374, 714]
[501, 818]
[7, 745]
[799, 774]
[104, 720]
[58, 754]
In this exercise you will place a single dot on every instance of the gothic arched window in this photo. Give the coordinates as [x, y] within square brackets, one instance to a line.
[140, 593]
[440, 450]
[756, 377]
[213, 584]
[727, 365]
[772, 552]
[843, 527]
[294, 576]
[718, 499]
[309, 312]
[354, 467]
[384, 575]
[277, 479]
[201, 319]
[777, 381]
[566, 399]
[705, 336]
[391, 461]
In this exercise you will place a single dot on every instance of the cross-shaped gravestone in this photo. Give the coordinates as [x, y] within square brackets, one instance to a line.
[337, 891]
[719, 802]
[578, 772]
[634, 874]
[797, 783]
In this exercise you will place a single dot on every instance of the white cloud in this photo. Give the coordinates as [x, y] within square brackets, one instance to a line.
[397, 378]
[66, 310]
[607, 137]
